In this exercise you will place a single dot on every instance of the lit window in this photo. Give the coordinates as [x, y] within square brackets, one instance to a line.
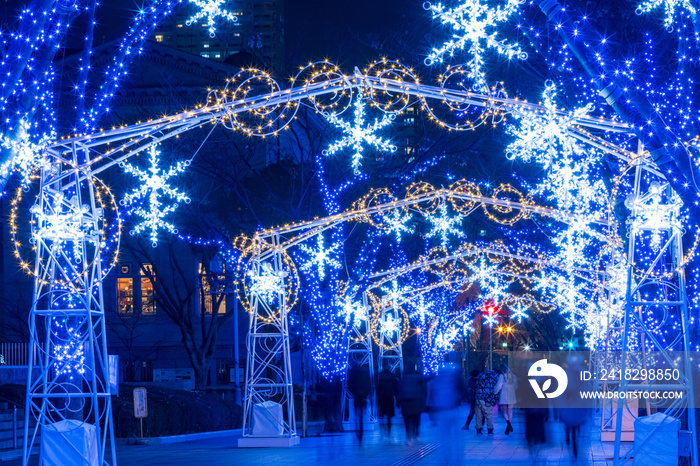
[159, 37]
[148, 302]
[409, 121]
[217, 55]
[205, 45]
[179, 25]
[125, 295]
[204, 54]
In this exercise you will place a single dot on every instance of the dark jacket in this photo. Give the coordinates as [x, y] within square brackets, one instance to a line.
[485, 383]
[412, 394]
[387, 391]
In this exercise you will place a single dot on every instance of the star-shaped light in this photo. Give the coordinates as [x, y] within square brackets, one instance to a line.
[670, 7]
[321, 257]
[472, 23]
[358, 134]
[153, 190]
[444, 226]
[397, 223]
[210, 9]
[267, 284]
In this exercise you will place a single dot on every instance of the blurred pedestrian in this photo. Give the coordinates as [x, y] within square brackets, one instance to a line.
[411, 400]
[471, 397]
[387, 390]
[505, 387]
[485, 400]
[573, 414]
[360, 387]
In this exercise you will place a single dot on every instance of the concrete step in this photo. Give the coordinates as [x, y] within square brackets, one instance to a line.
[7, 415]
[6, 443]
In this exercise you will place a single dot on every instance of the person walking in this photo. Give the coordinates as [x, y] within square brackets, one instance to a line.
[387, 390]
[360, 387]
[505, 388]
[485, 400]
[471, 399]
[411, 400]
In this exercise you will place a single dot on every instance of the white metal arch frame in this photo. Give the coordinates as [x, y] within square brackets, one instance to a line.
[243, 106]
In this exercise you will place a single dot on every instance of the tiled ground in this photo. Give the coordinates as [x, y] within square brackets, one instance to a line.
[439, 445]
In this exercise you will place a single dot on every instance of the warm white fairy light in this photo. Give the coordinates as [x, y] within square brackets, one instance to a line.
[210, 9]
[154, 187]
[321, 257]
[473, 23]
[670, 7]
[396, 223]
[26, 156]
[267, 284]
[357, 133]
[444, 226]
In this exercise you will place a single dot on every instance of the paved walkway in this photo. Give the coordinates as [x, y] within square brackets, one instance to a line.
[441, 446]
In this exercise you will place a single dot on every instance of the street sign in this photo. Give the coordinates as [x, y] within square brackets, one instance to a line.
[140, 405]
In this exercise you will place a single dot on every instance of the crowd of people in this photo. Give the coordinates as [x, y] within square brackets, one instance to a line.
[486, 392]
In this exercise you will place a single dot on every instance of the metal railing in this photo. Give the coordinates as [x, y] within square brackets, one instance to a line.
[15, 354]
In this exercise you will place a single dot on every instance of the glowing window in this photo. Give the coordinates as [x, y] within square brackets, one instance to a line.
[125, 295]
[159, 37]
[148, 302]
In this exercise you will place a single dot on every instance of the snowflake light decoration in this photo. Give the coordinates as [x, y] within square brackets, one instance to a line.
[443, 226]
[321, 257]
[669, 5]
[358, 133]
[543, 138]
[353, 312]
[652, 215]
[397, 224]
[490, 318]
[267, 284]
[211, 9]
[64, 222]
[445, 340]
[472, 23]
[154, 187]
[389, 325]
[519, 312]
[423, 311]
[393, 294]
[27, 156]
